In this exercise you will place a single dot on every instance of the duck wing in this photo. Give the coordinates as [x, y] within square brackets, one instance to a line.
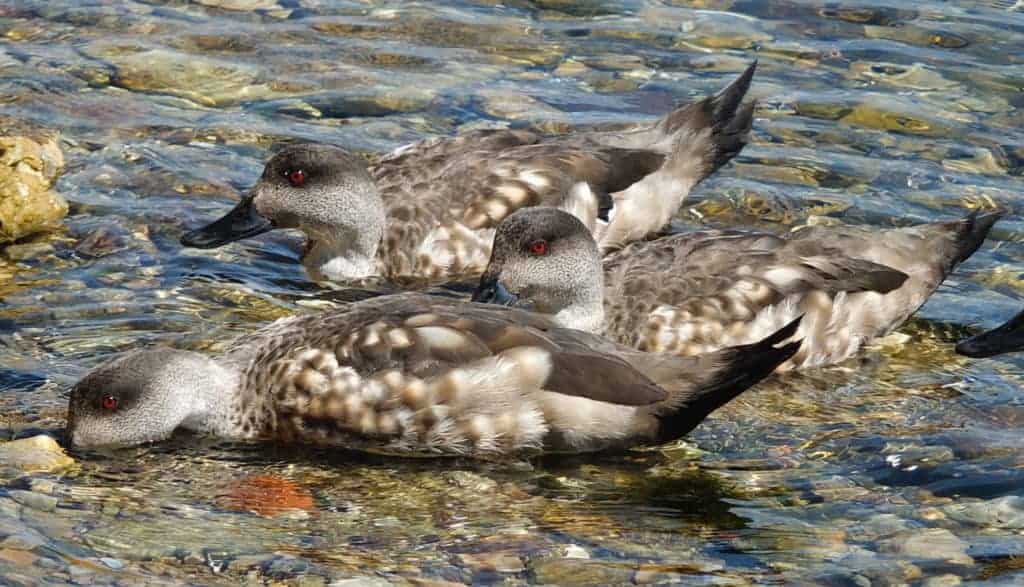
[417, 373]
[695, 293]
[639, 175]
[446, 197]
[427, 336]
[423, 235]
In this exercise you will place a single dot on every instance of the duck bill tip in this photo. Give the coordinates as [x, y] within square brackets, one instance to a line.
[243, 221]
[493, 291]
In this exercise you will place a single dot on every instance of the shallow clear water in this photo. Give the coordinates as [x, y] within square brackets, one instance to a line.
[901, 466]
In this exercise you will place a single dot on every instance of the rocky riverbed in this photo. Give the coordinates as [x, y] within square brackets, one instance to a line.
[138, 120]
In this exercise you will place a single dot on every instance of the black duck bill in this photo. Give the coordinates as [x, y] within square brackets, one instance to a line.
[1007, 338]
[243, 221]
[492, 291]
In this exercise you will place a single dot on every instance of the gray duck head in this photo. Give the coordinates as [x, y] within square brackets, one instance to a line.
[322, 190]
[545, 260]
[145, 395]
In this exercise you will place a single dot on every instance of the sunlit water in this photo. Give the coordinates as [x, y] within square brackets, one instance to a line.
[869, 112]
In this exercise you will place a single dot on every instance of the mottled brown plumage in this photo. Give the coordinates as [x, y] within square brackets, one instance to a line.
[415, 374]
[695, 293]
[430, 209]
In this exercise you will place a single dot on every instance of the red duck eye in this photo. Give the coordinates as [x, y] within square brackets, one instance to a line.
[297, 177]
[109, 402]
[539, 247]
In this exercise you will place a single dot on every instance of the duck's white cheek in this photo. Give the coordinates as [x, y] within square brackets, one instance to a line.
[113, 430]
[87, 432]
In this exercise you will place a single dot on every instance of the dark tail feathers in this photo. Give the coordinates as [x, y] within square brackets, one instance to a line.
[724, 113]
[719, 109]
[972, 233]
[740, 367]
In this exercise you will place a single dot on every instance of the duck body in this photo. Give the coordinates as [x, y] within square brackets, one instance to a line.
[721, 288]
[694, 293]
[418, 375]
[430, 209]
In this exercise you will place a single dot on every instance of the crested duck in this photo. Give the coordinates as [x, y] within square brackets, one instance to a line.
[429, 209]
[694, 293]
[415, 374]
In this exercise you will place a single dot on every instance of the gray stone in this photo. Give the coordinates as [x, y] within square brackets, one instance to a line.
[241, 5]
[9, 508]
[24, 539]
[578, 572]
[310, 581]
[879, 526]
[112, 563]
[361, 582]
[929, 544]
[947, 580]
[31, 499]
[203, 80]
[288, 567]
[248, 561]
[50, 564]
[498, 561]
[1002, 512]
[27, 251]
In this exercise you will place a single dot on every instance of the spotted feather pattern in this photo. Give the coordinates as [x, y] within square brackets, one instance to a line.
[444, 197]
[415, 374]
[694, 293]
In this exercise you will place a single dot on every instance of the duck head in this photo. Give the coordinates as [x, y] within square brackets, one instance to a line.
[545, 260]
[322, 190]
[1007, 338]
[144, 396]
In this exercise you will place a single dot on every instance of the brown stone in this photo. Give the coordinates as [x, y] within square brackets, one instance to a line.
[30, 162]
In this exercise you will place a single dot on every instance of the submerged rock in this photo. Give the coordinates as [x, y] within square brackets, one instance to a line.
[241, 5]
[517, 106]
[34, 500]
[28, 251]
[38, 453]
[565, 571]
[932, 544]
[914, 77]
[268, 495]
[30, 161]
[206, 81]
[1002, 512]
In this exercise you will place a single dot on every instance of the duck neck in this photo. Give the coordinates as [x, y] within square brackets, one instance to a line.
[214, 393]
[345, 243]
[334, 259]
[583, 308]
[588, 317]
